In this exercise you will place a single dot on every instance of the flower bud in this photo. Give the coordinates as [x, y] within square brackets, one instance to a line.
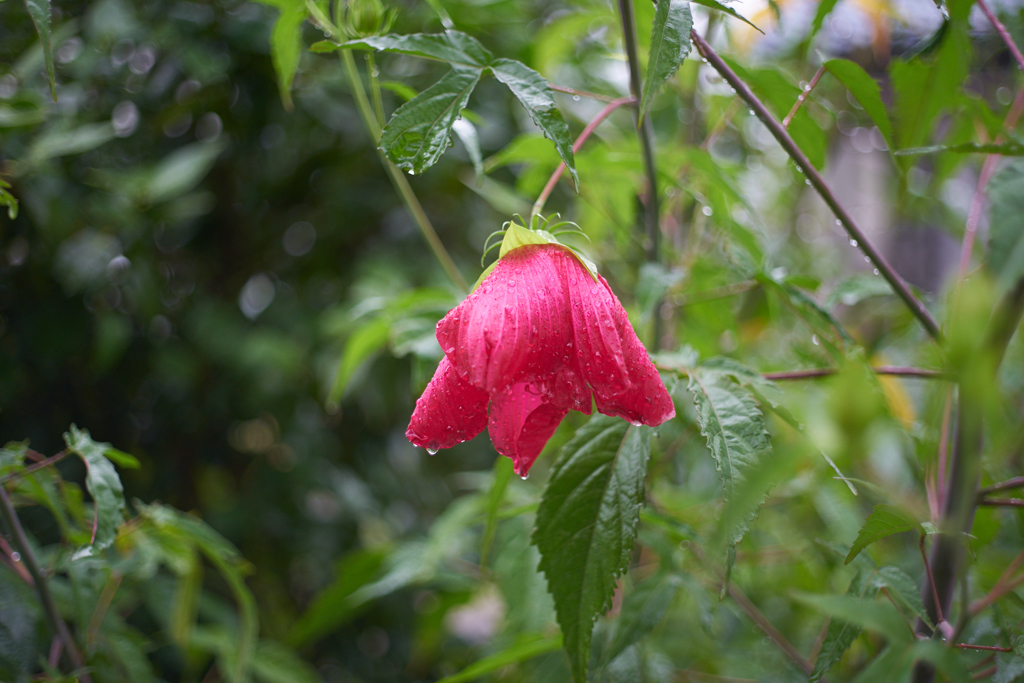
[364, 18]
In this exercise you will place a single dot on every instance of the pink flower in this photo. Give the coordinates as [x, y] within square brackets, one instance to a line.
[539, 337]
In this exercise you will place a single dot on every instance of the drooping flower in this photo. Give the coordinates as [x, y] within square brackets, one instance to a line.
[539, 337]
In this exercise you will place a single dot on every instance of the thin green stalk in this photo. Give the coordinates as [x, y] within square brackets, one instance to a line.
[398, 179]
[378, 103]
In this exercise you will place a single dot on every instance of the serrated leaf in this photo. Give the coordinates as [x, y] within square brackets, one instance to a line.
[825, 7]
[866, 90]
[534, 93]
[361, 344]
[586, 524]
[713, 4]
[840, 634]
[670, 43]
[1006, 149]
[642, 610]
[420, 130]
[526, 646]
[902, 588]
[453, 47]
[884, 520]
[103, 485]
[39, 10]
[1006, 231]
[737, 438]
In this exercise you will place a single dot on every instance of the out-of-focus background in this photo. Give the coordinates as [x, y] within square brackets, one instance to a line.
[191, 260]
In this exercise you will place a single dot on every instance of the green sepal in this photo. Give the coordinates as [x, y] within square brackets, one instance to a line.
[517, 235]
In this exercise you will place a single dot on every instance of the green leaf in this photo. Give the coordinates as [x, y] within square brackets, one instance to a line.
[902, 588]
[586, 524]
[824, 9]
[884, 520]
[840, 634]
[39, 10]
[9, 200]
[361, 344]
[286, 44]
[331, 607]
[420, 130]
[865, 613]
[713, 4]
[779, 95]
[275, 663]
[503, 470]
[526, 646]
[180, 171]
[854, 289]
[1006, 149]
[670, 43]
[737, 438]
[62, 142]
[231, 565]
[454, 47]
[322, 46]
[536, 96]
[104, 486]
[467, 133]
[1006, 231]
[642, 610]
[866, 90]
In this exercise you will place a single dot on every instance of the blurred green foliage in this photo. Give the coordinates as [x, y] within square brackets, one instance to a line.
[209, 267]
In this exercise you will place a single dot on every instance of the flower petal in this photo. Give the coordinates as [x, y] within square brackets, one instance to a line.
[521, 423]
[612, 360]
[449, 412]
[516, 326]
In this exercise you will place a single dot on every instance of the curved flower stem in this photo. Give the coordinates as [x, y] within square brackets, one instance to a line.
[1003, 33]
[398, 179]
[576, 147]
[803, 96]
[28, 558]
[892, 277]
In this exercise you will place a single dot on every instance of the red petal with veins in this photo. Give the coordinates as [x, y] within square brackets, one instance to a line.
[521, 423]
[449, 412]
[538, 338]
[516, 326]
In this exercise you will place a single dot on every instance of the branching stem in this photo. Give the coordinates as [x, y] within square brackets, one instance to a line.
[803, 96]
[901, 288]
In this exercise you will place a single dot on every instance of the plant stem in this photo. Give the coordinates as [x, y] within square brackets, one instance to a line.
[1003, 33]
[28, 558]
[645, 129]
[1015, 483]
[923, 373]
[765, 625]
[803, 96]
[398, 179]
[892, 277]
[582, 93]
[553, 180]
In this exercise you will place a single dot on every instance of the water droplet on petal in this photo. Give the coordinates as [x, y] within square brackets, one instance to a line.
[432, 451]
[526, 476]
[635, 423]
[511, 283]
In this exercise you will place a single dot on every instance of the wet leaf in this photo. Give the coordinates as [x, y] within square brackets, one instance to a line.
[884, 520]
[670, 43]
[454, 47]
[866, 90]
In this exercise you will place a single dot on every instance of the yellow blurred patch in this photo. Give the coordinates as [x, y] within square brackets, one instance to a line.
[897, 400]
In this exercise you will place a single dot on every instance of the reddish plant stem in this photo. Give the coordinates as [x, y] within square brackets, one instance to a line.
[931, 580]
[985, 673]
[60, 628]
[52, 460]
[1003, 33]
[1002, 502]
[923, 373]
[899, 286]
[1015, 483]
[803, 96]
[762, 622]
[940, 483]
[993, 648]
[576, 147]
